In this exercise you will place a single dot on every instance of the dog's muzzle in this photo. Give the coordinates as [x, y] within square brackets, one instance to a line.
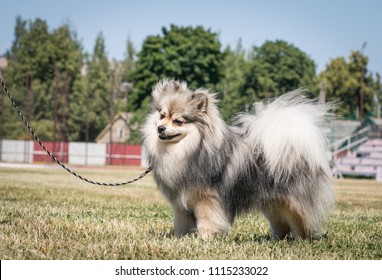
[165, 136]
[161, 128]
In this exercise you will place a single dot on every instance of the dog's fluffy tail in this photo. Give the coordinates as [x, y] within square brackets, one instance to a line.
[288, 134]
[287, 130]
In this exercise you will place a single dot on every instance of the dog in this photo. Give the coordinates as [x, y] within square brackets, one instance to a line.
[272, 159]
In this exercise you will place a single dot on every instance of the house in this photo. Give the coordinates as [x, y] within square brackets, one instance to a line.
[119, 129]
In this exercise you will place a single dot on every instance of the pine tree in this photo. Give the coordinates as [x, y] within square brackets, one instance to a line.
[99, 88]
[235, 65]
[124, 79]
[37, 56]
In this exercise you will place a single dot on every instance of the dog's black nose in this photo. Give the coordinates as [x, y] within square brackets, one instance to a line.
[161, 128]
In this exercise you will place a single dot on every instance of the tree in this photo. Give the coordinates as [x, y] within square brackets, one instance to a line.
[123, 77]
[183, 53]
[67, 65]
[276, 68]
[26, 77]
[42, 65]
[99, 88]
[344, 80]
[128, 64]
[77, 128]
[377, 96]
[20, 31]
[235, 66]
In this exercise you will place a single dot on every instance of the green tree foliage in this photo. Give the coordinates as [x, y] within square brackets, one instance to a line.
[78, 109]
[235, 65]
[124, 84]
[377, 96]
[343, 81]
[276, 68]
[128, 64]
[67, 75]
[44, 75]
[99, 88]
[183, 53]
[42, 63]
[23, 69]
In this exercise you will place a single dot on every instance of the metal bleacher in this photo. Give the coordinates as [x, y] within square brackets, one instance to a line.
[359, 158]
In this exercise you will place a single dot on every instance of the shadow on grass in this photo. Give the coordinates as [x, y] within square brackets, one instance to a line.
[289, 238]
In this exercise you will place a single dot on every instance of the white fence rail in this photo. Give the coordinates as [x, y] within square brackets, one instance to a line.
[16, 151]
[77, 153]
[349, 142]
[87, 154]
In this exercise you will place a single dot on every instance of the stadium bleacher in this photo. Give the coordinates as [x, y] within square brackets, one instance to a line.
[365, 161]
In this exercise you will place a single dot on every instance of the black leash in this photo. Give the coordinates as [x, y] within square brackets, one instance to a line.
[54, 158]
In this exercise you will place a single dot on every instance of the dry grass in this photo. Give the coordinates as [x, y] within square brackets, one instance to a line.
[47, 214]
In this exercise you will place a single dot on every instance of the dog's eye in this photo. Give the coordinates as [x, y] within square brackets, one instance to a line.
[162, 116]
[178, 122]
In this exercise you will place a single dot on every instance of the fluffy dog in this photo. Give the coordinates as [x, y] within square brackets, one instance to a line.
[272, 160]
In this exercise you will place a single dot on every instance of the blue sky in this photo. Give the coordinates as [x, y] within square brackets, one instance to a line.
[324, 29]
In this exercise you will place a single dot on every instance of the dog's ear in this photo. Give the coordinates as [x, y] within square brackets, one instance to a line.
[201, 100]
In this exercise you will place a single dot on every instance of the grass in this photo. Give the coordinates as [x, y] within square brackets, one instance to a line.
[48, 214]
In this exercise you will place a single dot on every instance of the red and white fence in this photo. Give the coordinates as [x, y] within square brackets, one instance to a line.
[75, 153]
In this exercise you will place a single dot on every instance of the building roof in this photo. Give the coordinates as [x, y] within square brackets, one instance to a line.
[121, 115]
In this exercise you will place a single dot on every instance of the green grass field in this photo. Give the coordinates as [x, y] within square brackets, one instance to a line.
[48, 214]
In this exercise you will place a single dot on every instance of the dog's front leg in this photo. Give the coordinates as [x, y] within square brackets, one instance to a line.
[184, 221]
[210, 216]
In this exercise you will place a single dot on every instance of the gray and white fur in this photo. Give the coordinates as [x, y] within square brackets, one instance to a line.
[272, 160]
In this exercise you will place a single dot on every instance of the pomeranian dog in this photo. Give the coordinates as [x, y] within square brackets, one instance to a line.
[273, 159]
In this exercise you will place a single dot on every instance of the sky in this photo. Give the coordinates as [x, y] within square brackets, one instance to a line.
[324, 29]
